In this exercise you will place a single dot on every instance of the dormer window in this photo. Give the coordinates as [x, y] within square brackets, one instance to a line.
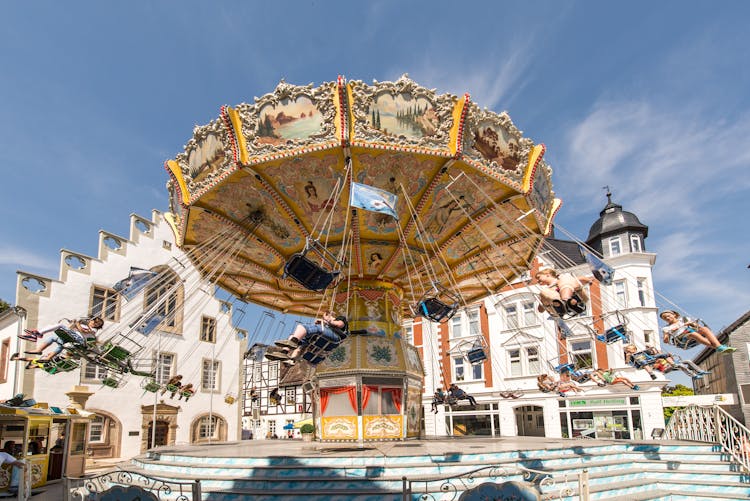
[635, 243]
[614, 246]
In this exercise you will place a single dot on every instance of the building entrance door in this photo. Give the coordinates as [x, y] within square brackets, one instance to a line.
[162, 432]
[529, 421]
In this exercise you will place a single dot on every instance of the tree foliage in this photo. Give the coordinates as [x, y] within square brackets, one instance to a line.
[4, 306]
[677, 390]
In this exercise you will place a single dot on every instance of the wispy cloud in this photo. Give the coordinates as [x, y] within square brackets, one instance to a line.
[662, 161]
[492, 82]
[24, 258]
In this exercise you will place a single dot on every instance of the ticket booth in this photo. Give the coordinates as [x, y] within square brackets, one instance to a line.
[52, 440]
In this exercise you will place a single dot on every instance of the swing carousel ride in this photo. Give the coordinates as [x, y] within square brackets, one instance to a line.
[372, 201]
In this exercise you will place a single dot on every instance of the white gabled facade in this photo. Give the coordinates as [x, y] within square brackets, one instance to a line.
[126, 414]
[522, 343]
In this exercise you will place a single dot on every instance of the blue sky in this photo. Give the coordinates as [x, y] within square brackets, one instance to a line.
[650, 98]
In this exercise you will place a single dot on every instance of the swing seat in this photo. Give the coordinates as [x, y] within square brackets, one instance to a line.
[682, 339]
[641, 359]
[317, 348]
[173, 388]
[604, 275]
[308, 274]
[67, 337]
[476, 355]
[113, 352]
[110, 382]
[564, 368]
[613, 335]
[580, 376]
[435, 310]
[151, 386]
[65, 365]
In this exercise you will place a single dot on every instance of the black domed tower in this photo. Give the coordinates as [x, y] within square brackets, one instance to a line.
[617, 231]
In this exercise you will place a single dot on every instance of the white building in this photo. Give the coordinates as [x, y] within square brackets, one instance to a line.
[521, 343]
[197, 340]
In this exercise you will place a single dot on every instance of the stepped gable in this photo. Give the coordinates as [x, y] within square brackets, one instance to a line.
[73, 261]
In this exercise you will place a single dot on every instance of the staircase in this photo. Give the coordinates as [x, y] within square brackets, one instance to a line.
[611, 471]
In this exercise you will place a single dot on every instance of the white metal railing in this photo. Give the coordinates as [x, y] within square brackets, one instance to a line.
[714, 425]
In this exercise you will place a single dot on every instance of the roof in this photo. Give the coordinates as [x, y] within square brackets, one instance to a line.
[723, 335]
[565, 254]
[612, 219]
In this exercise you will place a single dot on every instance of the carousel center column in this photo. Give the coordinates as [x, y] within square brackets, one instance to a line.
[370, 387]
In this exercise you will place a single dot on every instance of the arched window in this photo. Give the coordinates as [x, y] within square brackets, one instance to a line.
[208, 427]
[105, 434]
[167, 294]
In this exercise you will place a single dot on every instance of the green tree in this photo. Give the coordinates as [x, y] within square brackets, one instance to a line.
[4, 306]
[678, 390]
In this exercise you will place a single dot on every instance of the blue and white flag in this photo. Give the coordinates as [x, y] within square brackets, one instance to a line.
[137, 279]
[373, 199]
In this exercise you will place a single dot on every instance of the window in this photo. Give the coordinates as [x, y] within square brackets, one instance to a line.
[516, 368]
[104, 303]
[4, 359]
[272, 427]
[382, 401]
[620, 294]
[409, 334]
[166, 297]
[208, 329]
[207, 427]
[93, 372]
[290, 396]
[524, 361]
[529, 313]
[614, 246]
[164, 366]
[635, 243]
[273, 370]
[532, 358]
[473, 321]
[641, 291]
[648, 337]
[209, 375]
[458, 368]
[477, 371]
[511, 317]
[456, 326]
[581, 354]
[96, 430]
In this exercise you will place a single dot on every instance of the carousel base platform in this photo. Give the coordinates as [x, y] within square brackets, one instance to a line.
[445, 468]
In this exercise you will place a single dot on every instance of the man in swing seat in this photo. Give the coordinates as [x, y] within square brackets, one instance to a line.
[330, 328]
[561, 294]
[681, 330]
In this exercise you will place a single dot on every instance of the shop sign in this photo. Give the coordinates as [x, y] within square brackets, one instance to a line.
[596, 401]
